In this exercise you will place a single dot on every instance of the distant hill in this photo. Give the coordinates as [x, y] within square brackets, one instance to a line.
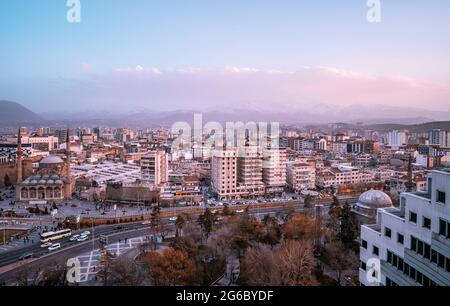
[14, 113]
[417, 128]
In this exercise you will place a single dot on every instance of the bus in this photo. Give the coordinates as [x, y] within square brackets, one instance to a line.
[52, 236]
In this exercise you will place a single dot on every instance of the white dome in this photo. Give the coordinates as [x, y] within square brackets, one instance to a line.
[51, 159]
[374, 199]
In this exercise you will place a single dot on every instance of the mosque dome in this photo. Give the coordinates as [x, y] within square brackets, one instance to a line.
[374, 199]
[51, 160]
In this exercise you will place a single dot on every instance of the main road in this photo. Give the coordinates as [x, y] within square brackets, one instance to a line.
[11, 266]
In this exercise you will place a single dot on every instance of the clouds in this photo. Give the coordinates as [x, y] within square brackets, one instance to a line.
[236, 87]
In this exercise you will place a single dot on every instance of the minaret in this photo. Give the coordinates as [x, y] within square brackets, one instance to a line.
[68, 186]
[19, 158]
[19, 165]
[68, 155]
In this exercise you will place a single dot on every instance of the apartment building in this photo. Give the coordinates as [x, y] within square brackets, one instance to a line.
[154, 167]
[410, 245]
[300, 176]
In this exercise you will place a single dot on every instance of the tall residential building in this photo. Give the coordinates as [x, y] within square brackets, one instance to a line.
[249, 171]
[224, 174]
[440, 138]
[301, 176]
[410, 244]
[274, 169]
[396, 139]
[154, 167]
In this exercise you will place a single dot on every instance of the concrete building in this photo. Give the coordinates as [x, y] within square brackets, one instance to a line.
[439, 138]
[249, 171]
[224, 174]
[274, 170]
[155, 167]
[411, 243]
[52, 182]
[301, 176]
[396, 139]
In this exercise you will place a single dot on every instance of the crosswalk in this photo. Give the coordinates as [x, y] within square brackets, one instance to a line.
[89, 262]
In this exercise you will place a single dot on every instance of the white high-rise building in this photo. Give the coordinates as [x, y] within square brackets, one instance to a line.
[249, 171]
[154, 167]
[410, 244]
[274, 170]
[440, 138]
[301, 176]
[397, 139]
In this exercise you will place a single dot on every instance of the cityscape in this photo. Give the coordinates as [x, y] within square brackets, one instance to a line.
[192, 175]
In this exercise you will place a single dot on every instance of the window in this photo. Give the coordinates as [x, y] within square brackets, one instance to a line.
[433, 256]
[412, 217]
[440, 197]
[364, 244]
[363, 266]
[413, 244]
[400, 238]
[389, 257]
[441, 261]
[387, 232]
[420, 247]
[442, 227]
[376, 250]
[427, 253]
[426, 223]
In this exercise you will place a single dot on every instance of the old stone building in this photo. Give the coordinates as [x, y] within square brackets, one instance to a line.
[51, 182]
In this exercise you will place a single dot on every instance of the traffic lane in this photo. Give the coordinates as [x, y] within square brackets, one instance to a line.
[60, 257]
[14, 255]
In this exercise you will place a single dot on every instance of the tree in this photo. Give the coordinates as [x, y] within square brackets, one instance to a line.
[291, 264]
[339, 258]
[308, 204]
[300, 226]
[348, 227]
[179, 225]
[206, 222]
[226, 211]
[125, 272]
[171, 268]
[272, 231]
[7, 181]
[335, 213]
[296, 264]
[155, 219]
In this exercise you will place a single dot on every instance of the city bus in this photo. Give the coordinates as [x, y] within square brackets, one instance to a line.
[52, 236]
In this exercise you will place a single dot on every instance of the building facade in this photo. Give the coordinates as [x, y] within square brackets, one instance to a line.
[411, 243]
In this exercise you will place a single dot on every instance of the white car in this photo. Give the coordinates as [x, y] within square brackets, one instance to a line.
[146, 223]
[86, 233]
[82, 238]
[46, 245]
[54, 247]
[173, 219]
[241, 211]
[74, 237]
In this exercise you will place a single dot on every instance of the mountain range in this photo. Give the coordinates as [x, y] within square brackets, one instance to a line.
[372, 116]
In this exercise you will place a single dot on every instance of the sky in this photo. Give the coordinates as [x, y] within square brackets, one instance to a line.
[198, 54]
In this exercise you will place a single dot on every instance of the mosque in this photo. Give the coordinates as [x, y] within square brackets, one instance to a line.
[368, 203]
[52, 182]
